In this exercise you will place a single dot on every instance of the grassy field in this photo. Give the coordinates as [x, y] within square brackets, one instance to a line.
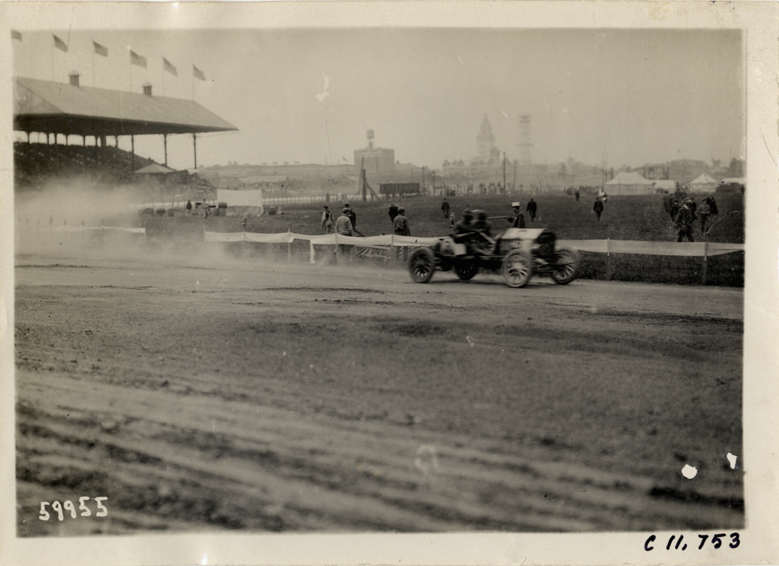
[625, 218]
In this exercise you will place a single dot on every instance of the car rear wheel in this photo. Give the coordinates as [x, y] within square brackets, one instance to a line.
[421, 265]
[517, 269]
[567, 267]
[466, 270]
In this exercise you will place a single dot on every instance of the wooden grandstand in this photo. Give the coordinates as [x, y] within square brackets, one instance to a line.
[56, 109]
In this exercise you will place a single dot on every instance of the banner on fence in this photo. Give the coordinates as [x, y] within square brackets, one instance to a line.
[248, 197]
[689, 249]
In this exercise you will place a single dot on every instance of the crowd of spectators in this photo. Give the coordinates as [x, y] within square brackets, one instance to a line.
[36, 163]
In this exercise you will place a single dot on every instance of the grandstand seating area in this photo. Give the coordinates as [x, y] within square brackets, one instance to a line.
[36, 163]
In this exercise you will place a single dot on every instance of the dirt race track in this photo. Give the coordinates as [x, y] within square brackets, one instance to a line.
[203, 395]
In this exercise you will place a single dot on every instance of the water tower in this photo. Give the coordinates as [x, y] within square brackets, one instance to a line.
[524, 140]
[370, 139]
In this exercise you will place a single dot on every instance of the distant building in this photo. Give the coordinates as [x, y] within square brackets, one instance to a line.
[376, 161]
[487, 162]
[485, 141]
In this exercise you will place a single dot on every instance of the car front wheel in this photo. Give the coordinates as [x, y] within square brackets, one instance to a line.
[421, 265]
[517, 269]
[567, 267]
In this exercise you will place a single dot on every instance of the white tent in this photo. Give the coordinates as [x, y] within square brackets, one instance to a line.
[703, 183]
[631, 183]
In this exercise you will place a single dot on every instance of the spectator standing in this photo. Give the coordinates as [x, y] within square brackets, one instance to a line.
[518, 219]
[352, 215]
[402, 228]
[531, 209]
[693, 206]
[445, 207]
[189, 206]
[393, 212]
[327, 220]
[401, 223]
[597, 208]
[712, 204]
[675, 207]
[684, 222]
[343, 227]
[576, 194]
[704, 211]
[604, 199]
[451, 220]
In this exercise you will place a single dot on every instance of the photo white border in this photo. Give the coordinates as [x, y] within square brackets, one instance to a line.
[760, 538]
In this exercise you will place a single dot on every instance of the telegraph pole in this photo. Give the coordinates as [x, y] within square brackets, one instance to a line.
[504, 172]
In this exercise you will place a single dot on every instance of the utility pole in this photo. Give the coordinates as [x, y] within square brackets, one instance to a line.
[504, 172]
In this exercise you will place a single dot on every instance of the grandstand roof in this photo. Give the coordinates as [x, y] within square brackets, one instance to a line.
[45, 106]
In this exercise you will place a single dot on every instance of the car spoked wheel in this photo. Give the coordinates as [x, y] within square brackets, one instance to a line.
[466, 270]
[517, 269]
[421, 265]
[567, 267]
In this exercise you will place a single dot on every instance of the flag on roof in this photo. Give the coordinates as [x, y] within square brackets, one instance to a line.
[169, 67]
[59, 44]
[198, 74]
[16, 35]
[101, 50]
[136, 59]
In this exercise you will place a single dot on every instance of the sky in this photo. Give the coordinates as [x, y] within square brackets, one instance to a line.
[631, 96]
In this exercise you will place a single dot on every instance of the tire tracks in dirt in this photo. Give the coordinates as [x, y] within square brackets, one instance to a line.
[196, 460]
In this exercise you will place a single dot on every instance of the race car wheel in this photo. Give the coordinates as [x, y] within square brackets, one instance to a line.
[517, 269]
[466, 270]
[421, 265]
[567, 267]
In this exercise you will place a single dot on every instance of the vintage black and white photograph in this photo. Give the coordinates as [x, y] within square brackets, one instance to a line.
[365, 279]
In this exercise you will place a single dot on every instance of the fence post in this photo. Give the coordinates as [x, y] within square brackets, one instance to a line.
[705, 259]
[608, 259]
[392, 247]
[337, 255]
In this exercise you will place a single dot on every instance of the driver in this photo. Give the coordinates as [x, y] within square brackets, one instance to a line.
[484, 242]
[481, 225]
[463, 228]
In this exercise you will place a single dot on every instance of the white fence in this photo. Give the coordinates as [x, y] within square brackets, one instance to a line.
[388, 242]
